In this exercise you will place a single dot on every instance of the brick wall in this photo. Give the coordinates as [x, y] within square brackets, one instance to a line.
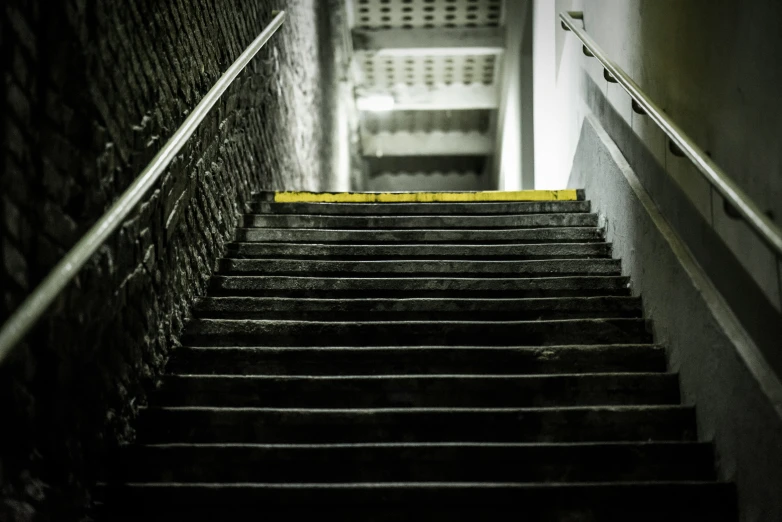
[92, 90]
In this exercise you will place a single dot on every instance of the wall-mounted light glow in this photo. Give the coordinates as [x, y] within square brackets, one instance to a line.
[376, 103]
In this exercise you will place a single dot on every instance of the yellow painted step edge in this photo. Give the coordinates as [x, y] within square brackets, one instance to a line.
[424, 197]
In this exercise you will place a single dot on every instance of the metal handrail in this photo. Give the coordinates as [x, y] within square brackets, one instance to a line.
[745, 208]
[36, 304]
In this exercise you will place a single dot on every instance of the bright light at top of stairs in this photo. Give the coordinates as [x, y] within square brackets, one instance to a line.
[376, 103]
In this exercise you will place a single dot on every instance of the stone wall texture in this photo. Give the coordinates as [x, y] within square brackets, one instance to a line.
[92, 90]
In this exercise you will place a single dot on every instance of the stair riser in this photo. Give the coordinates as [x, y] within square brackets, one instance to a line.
[671, 502]
[417, 309]
[426, 237]
[422, 222]
[406, 268]
[549, 391]
[281, 304]
[433, 315]
[434, 253]
[345, 510]
[312, 426]
[542, 287]
[418, 360]
[220, 332]
[525, 207]
[536, 463]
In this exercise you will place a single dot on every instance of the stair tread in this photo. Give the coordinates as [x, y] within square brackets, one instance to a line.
[361, 252]
[653, 496]
[420, 390]
[260, 266]
[435, 355]
[329, 360]
[424, 445]
[422, 377]
[372, 462]
[492, 280]
[261, 303]
[518, 236]
[365, 485]
[241, 307]
[422, 208]
[421, 221]
[292, 332]
[475, 348]
[410, 410]
[303, 285]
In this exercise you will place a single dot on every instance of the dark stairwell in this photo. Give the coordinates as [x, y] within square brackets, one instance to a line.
[91, 93]
[224, 356]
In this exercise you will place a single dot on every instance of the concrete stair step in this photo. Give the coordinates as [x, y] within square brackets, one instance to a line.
[420, 222]
[363, 360]
[423, 236]
[428, 462]
[464, 287]
[288, 425]
[250, 332]
[694, 501]
[381, 309]
[418, 361]
[493, 208]
[405, 267]
[434, 253]
[424, 391]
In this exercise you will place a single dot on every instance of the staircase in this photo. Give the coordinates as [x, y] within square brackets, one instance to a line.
[419, 361]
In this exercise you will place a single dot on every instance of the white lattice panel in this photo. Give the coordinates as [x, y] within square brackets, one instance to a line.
[407, 14]
[386, 71]
[426, 121]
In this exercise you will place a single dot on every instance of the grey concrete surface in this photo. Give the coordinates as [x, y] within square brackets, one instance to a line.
[407, 267]
[363, 252]
[340, 425]
[298, 286]
[638, 501]
[419, 391]
[373, 308]
[249, 332]
[671, 191]
[379, 236]
[739, 399]
[713, 66]
[489, 207]
[416, 222]
[398, 462]
[419, 360]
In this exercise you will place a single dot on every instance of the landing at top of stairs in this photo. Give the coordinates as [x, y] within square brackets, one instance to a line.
[426, 197]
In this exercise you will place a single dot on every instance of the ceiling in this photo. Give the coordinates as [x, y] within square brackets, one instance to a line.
[439, 61]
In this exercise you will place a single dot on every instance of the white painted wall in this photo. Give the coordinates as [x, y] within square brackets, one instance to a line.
[341, 168]
[506, 163]
[715, 66]
[557, 97]
[512, 163]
